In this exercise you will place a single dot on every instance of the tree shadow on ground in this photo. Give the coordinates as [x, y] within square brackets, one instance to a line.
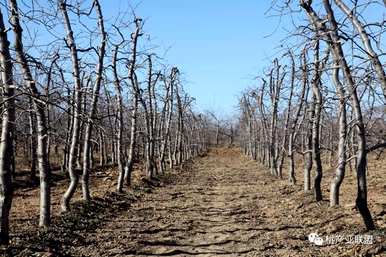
[75, 228]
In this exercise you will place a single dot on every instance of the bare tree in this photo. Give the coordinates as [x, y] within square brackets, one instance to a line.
[294, 125]
[76, 109]
[338, 56]
[126, 176]
[317, 102]
[94, 102]
[342, 157]
[168, 111]
[40, 111]
[7, 132]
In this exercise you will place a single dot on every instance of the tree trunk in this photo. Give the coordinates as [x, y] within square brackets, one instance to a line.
[317, 99]
[126, 176]
[102, 158]
[40, 110]
[7, 133]
[308, 151]
[169, 109]
[94, 102]
[340, 170]
[65, 205]
[118, 90]
[33, 143]
[293, 131]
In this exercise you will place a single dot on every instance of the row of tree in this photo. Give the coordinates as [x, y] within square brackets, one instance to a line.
[77, 88]
[325, 101]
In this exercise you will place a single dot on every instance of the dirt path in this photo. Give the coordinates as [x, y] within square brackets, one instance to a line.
[222, 207]
[208, 213]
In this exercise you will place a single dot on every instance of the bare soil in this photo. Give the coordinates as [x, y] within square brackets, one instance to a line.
[222, 204]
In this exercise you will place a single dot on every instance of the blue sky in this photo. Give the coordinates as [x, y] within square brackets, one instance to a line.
[219, 45]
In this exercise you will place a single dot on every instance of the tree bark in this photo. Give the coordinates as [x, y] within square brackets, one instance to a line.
[7, 133]
[33, 143]
[118, 90]
[40, 110]
[74, 178]
[293, 131]
[341, 168]
[169, 110]
[317, 99]
[308, 150]
[94, 102]
[126, 177]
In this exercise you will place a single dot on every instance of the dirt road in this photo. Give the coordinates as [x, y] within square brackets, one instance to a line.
[209, 213]
[224, 206]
